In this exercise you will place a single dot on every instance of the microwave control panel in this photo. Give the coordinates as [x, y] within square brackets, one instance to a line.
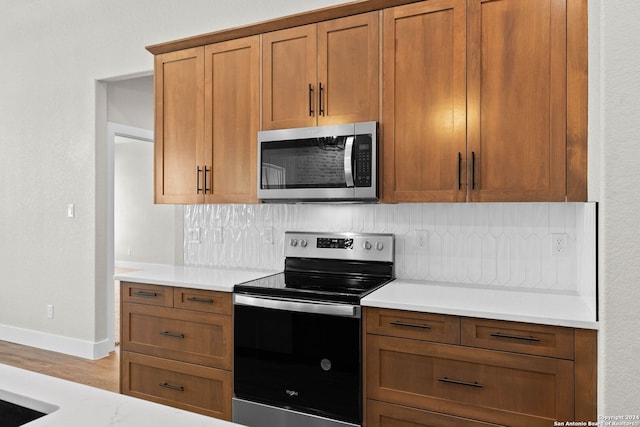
[363, 162]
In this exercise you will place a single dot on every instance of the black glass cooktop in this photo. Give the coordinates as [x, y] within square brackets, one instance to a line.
[321, 280]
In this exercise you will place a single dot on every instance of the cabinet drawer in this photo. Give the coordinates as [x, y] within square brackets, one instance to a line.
[380, 414]
[189, 336]
[195, 388]
[415, 325]
[541, 340]
[202, 300]
[492, 386]
[147, 294]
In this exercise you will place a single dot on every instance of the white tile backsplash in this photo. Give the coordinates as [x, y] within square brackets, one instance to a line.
[492, 244]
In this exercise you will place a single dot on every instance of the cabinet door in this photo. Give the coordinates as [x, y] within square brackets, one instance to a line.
[424, 118]
[179, 126]
[517, 100]
[348, 69]
[232, 112]
[289, 78]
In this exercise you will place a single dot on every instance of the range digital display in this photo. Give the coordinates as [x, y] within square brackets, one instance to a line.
[331, 243]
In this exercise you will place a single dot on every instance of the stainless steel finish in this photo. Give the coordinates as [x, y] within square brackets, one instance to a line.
[353, 194]
[253, 414]
[343, 310]
[348, 166]
[365, 247]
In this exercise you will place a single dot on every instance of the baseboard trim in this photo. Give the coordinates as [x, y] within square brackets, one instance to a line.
[60, 344]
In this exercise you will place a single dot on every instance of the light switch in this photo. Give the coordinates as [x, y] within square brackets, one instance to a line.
[71, 210]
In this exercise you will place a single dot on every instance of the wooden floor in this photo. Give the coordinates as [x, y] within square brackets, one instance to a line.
[102, 373]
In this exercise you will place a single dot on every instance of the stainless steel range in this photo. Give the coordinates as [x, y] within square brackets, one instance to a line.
[297, 334]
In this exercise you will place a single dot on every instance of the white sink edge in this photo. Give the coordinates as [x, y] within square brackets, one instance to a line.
[28, 402]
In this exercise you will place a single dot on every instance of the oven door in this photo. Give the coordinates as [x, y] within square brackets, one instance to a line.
[320, 163]
[297, 356]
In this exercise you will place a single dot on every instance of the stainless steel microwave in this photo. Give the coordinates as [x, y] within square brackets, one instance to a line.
[324, 163]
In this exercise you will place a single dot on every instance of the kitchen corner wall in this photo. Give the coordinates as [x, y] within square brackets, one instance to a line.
[490, 244]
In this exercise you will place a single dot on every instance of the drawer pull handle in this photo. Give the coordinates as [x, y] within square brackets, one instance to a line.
[409, 325]
[172, 387]
[514, 337]
[172, 335]
[203, 300]
[144, 294]
[468, 384]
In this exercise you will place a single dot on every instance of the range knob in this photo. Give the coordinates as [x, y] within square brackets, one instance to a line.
[366, 245]
[379, 246]
[293, 242]
[303, 243]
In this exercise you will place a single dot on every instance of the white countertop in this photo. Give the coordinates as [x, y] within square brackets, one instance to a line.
[559, 309]
[209, 278]
[80, 405]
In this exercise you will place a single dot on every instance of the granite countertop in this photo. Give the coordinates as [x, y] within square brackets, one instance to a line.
[80, 405]
[542, 307]
[209, 278]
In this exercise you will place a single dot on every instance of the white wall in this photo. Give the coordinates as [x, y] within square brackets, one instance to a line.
[52, 154]
[614, 115]
[142, 230]
[130, 102]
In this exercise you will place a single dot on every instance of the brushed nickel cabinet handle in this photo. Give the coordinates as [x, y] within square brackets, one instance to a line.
[320, 92]
[198, 170]
[473, 170]
[410, 325]
[514, 337]
[172, 387]
[202, 300]
[172, 335]
[459, 170]
[464, 383]
[144, 294]
[310, 100]
[206, 189]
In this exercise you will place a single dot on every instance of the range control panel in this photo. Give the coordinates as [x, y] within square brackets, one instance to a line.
[352, 246]
[335, 243]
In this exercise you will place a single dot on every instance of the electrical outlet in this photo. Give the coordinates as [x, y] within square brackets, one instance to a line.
[421, 240]
[218, 235]
[193, 235]
[49, 311]
[559, 242]
[267, 235]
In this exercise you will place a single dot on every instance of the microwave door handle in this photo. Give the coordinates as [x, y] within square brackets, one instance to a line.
[348, 163]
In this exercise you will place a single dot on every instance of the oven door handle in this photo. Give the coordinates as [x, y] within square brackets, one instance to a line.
[343, 310]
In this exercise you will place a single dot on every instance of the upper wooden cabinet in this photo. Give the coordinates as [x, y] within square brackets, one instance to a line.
[207, 119]
[179, 126]
[321, 74]
[232, 120]
[517, 94]
[482, 100]
[477, 105]
[424, 119]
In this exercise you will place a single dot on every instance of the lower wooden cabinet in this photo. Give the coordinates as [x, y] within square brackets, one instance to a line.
[381, 414]
[486, 372]
[187, 386]
[177, 347]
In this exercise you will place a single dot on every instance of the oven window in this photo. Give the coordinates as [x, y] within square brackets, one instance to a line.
[308, 362]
